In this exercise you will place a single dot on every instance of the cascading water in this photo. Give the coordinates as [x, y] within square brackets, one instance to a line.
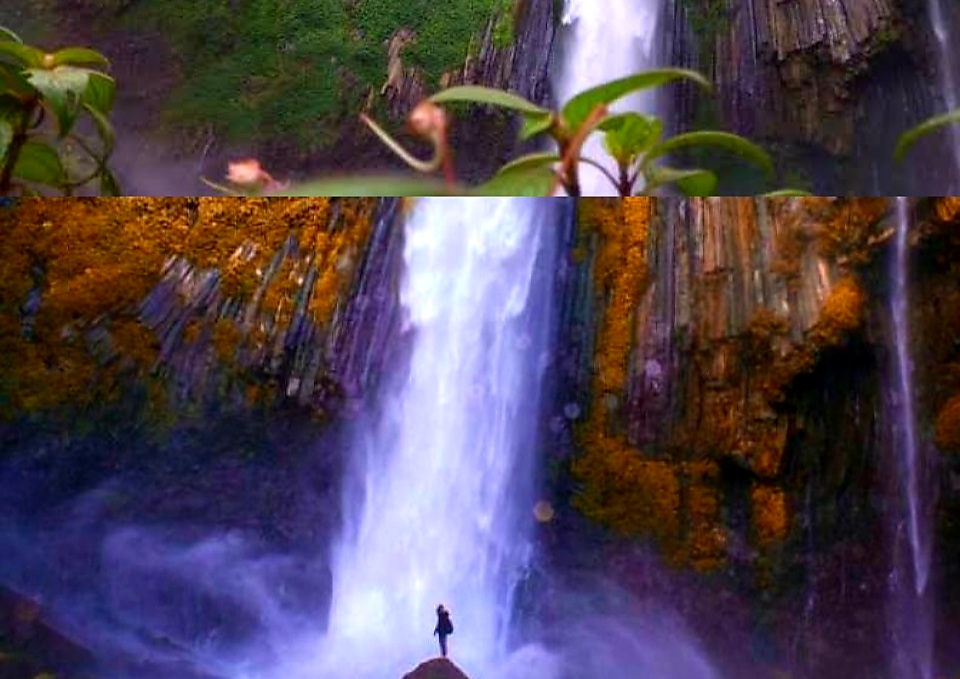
[446, 479]
[948, 76]
[605, 41]
[913, 613]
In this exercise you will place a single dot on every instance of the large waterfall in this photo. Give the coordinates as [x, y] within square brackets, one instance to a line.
[446, 473]
[605, 41]
[912, 604]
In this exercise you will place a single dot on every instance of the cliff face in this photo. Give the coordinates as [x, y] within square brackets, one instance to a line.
[729, 360]
[229, 300]
[738, 354]
[827, 80]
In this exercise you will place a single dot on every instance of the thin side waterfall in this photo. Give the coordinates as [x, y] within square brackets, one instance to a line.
[948, 76]
[913, 615]
[604, 41]
[446, 476]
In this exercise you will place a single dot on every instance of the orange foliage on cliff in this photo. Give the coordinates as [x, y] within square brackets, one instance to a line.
[771, 515]
[622, 226]
[948, 426]
[948, 209]
[842, 312]
[91, 262]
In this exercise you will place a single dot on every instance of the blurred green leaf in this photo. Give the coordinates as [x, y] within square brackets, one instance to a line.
[62, 88]
[79, 56]
[911, 136]
[374, 185]
[108, 183]
[785, 193]
[732, 142]
[488, 95]
[100, 92]
[531, 160]
[576, 111]
[7, 34]
[630, 134]
[535, 124]
[527, 180]
[6, 136]
[18, 54]
[39, 163]
[12, 80]
[690, 182]
[104, 129]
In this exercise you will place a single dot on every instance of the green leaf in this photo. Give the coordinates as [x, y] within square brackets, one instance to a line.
[104, 129]
[79, 56]
[100, 92]
[732, 142]
[12, 80]
[521, 180]
[630, 134]
[911, 136]
[576, 111]
[62, 88]
[7, 34]
[6, 136]
[535, 124]
[18, 54]
[690, 182]
[488, 95]
[785, 193]
[529, 161]
[108, 183]
[375, 185]
[40, 164]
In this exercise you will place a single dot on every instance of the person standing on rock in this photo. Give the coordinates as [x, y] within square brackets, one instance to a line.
[443, 629]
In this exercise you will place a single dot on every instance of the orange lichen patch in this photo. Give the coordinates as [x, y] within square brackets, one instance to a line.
[948, 426]
[631, 495]
[841, 314]
[620, 272]
[93, 261]
[846, 227]
[771, 514]
[948, 209]
[706, 539]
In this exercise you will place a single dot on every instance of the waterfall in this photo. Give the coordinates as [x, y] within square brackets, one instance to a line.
[948, 77]
[913, 614]
[604, 41]
[446, 472]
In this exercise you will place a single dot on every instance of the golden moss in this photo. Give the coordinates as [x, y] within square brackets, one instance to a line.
[948, 426]
[842, 312]
[770, 511]
[95, 260]
[948, 209]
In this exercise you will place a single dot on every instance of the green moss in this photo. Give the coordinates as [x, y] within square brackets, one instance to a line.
[259, 68]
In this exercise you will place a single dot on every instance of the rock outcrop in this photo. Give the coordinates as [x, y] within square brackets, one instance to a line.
[711, 321]
[839, 79]
[438, 668]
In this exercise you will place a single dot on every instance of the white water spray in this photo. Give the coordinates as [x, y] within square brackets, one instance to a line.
[604, 41]
[448, 507]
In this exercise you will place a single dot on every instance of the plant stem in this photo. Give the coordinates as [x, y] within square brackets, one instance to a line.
[16, 144]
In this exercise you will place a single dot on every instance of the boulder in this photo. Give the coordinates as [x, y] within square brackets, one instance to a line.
[438, 668]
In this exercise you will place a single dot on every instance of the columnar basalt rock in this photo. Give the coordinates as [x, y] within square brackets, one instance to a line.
[798, 71]
[725, 306]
